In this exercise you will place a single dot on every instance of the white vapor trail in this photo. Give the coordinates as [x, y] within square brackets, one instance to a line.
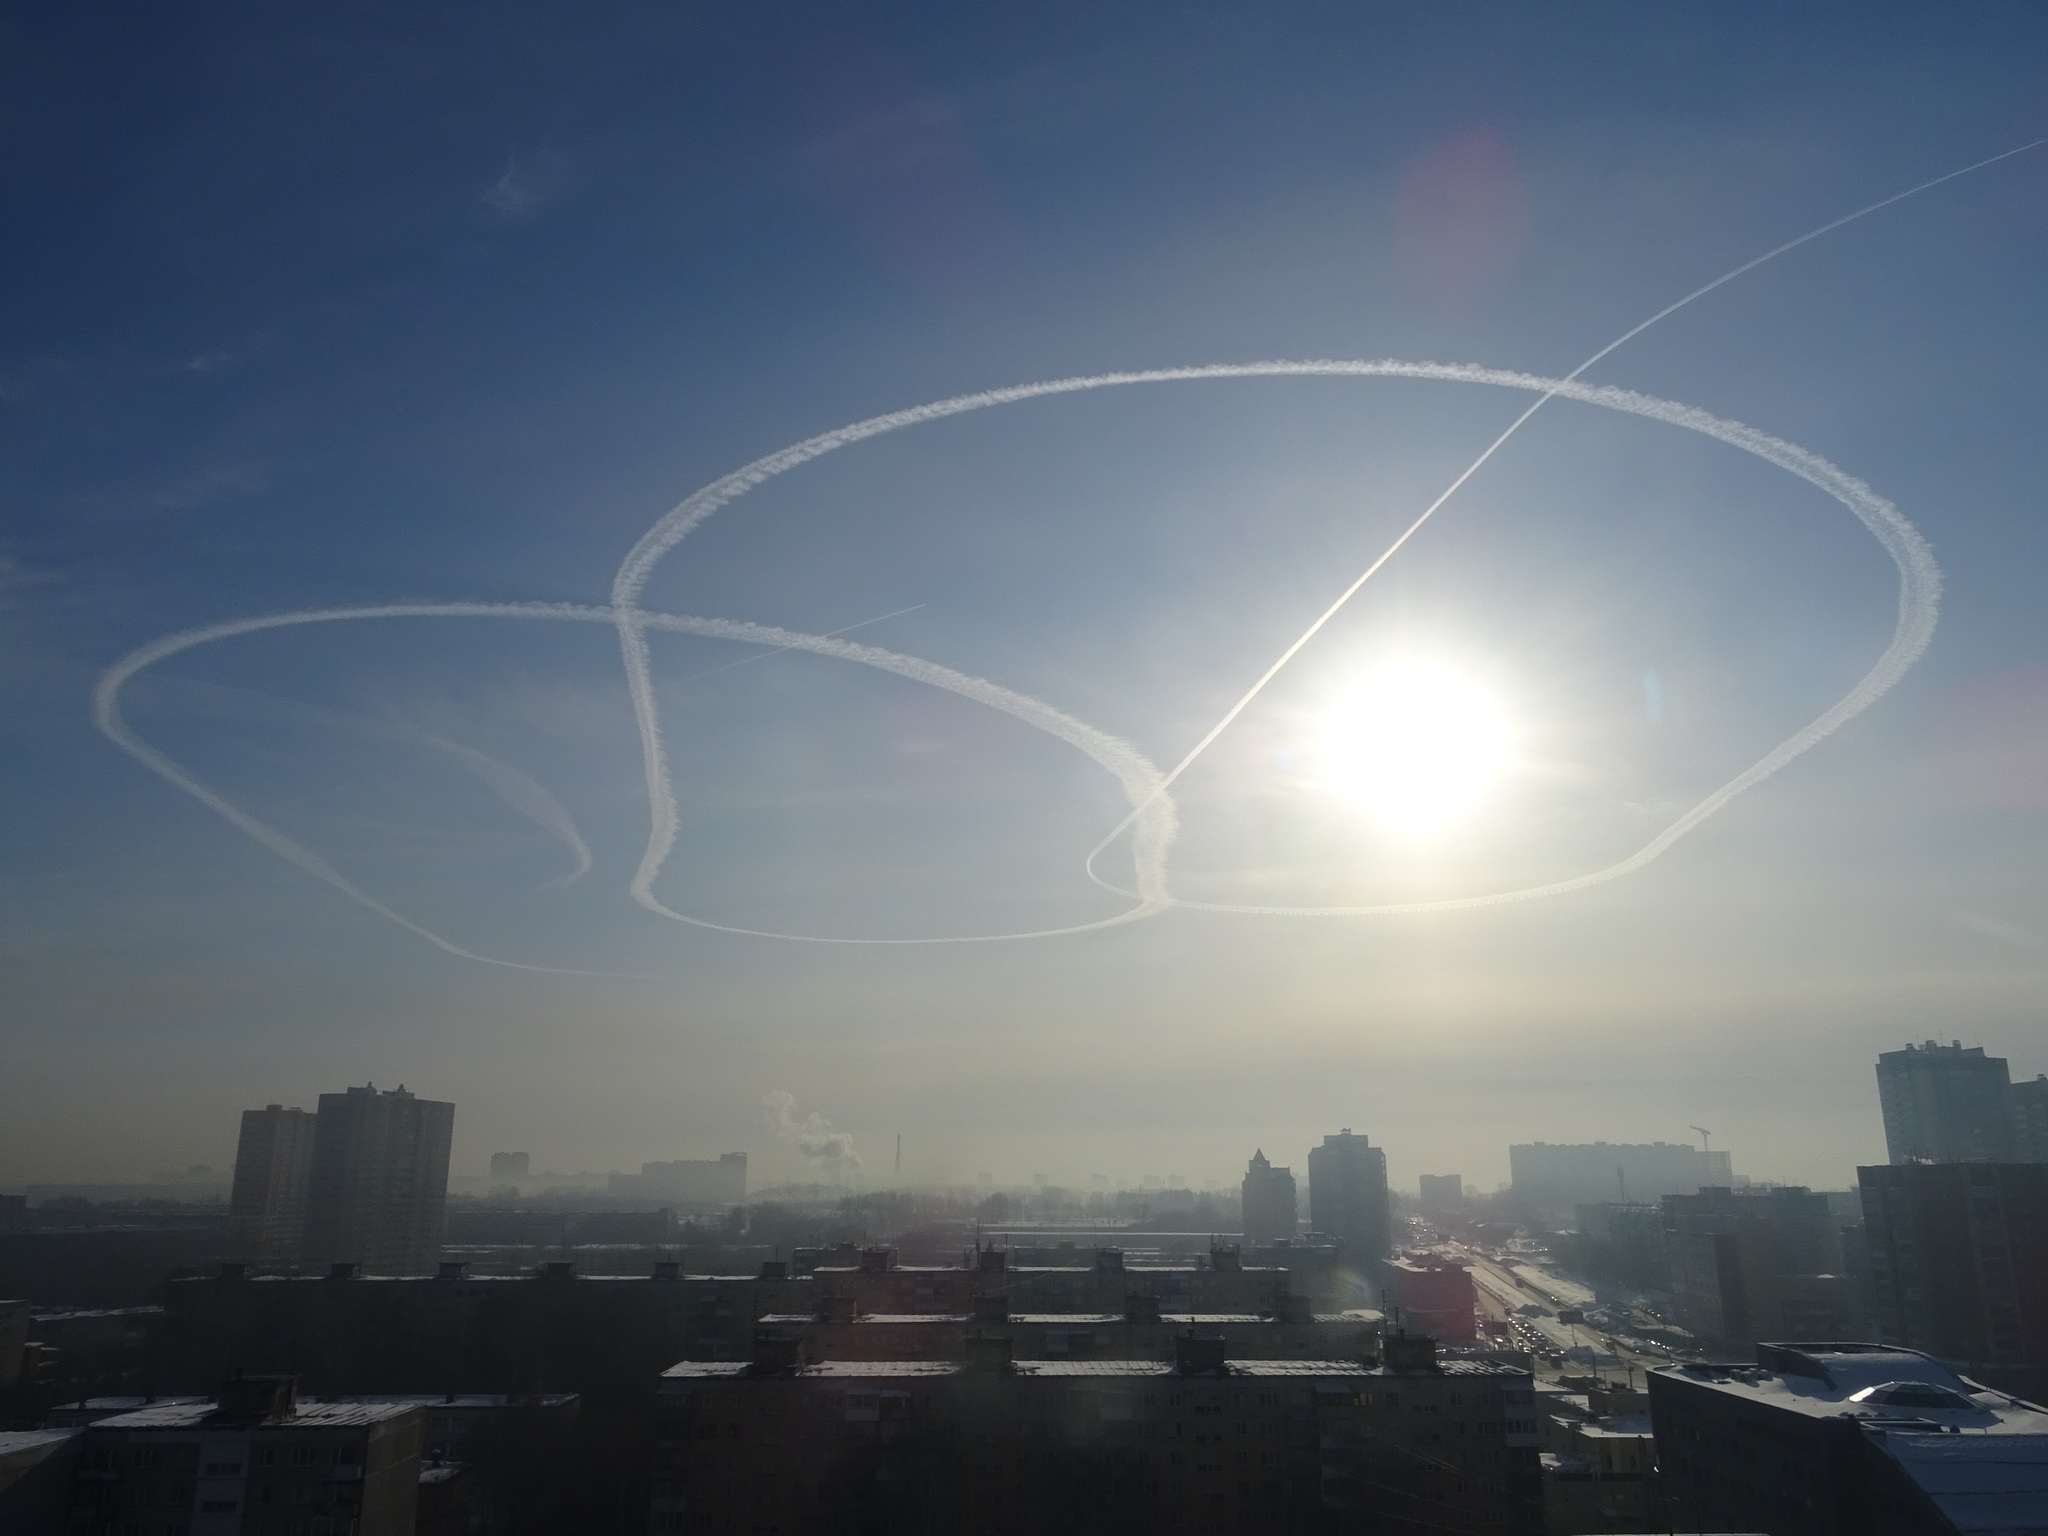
[526, 795]
[1135, 776]
[1150, 820]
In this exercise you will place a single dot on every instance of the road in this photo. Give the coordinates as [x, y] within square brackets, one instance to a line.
[1528, 1299]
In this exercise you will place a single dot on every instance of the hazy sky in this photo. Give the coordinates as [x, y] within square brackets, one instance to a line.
[425, 304]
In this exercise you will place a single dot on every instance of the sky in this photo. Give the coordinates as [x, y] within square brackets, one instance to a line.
[446, 305]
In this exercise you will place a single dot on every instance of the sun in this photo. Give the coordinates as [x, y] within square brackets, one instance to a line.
[1416, 744]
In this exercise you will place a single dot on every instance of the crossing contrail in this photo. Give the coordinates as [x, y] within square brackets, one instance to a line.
[1150, 819]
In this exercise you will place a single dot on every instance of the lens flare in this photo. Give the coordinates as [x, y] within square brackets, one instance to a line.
[1415, 745]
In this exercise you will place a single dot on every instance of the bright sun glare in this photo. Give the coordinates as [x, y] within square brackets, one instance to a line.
[1415, 745]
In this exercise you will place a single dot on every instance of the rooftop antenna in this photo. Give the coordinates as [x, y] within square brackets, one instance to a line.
[1706, 1141]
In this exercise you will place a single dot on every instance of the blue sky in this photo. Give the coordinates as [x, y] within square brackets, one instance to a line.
[429, 305]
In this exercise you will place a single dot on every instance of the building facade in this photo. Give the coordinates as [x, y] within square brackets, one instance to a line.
[1347, 1196]
[1743, 1266]
[1443, 1194]
[1945, 1104]
[378, 1190]
[2027, 1104]
[1958, 1256]
[273, 1173]
[1196, 1443]
[258, 1460]
[1434, 1297]
[1272, 1211]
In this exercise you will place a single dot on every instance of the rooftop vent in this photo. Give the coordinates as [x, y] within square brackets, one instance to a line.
[992, 1308]
[774, 1269]
[776, 1353]
[342, 1269]
[1141, 1309]
[453, 1269]
[992, 1260]
[1410, 1352]
[1199, 1354]
[253, 1399]
[988, 1354]
[234, 1271]
[1226, 1256]
[1293, 1309]
[667, 1269]
[558, 1269]
[1110, 1259]
[875, 1261]
[836, 1309]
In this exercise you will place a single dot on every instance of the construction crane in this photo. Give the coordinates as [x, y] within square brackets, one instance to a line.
[1706, 1144]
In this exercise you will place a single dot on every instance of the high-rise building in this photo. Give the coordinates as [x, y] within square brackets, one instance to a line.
[1443, 1193]
[1551, 1181]
[1944, 1104]
[1271, 1209]
[1958, 1256]
[273, 1166]
[511, 1165]
[379, 1183]
[1347, 1195]
[2028, 1103]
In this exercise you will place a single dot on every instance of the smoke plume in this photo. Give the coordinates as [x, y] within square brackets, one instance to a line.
[813, 1136]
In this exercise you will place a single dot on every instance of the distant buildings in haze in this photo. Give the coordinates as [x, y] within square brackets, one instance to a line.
[1443, 1193]
[1272, 1211]
[362, 1181]
[273, 1169]
[1347, 1195]
[1954, 1104]
[511, 1165]
[687, 1183]
[1550, 1181]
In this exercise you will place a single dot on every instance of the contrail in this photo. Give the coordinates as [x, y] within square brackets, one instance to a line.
[1151, 815]
[1515, 426]
[830, 634]
[1135, 775]
[526, 795]
[678, 523]
[519, 790]
[1919, 599]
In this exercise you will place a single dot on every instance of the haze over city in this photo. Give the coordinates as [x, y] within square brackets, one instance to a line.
[437, 308]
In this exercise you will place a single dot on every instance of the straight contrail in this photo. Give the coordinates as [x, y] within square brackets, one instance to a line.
[1513, 427]
[1150, 819]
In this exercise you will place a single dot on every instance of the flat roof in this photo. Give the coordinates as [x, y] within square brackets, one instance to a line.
[854, 1370]
[1095, 1319]
[313, 1413]
[1844, 1373]
[1988, 1483]
[15, 1441]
